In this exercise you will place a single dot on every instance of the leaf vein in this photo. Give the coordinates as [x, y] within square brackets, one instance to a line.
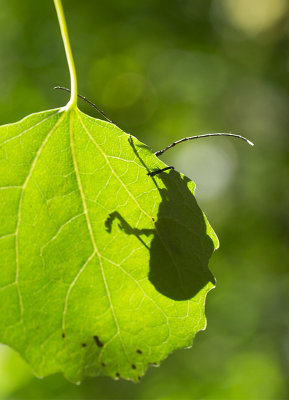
[36, 158]
[27, 130]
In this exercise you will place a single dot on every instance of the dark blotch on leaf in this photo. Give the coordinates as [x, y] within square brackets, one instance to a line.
[97, 341]
[103, 364]
[83, 344]
[133, 366]
[139, 351]
[63, 335]
[117, 375]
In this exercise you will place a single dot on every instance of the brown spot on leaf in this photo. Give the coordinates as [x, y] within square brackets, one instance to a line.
[133, 366]
[139, 351]
[97, 341]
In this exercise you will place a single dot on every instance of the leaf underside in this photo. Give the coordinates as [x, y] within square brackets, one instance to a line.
[103, 269]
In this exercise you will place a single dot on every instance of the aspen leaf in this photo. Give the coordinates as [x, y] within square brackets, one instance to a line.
[103, 268]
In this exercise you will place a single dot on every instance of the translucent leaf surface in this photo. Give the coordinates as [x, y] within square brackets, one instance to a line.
[104, 269]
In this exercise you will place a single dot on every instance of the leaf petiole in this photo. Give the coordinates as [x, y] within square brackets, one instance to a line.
[64, 33]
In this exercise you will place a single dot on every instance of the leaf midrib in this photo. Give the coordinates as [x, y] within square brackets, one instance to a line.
[96, 250]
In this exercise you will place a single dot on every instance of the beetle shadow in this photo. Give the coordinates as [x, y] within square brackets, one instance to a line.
[180, 248]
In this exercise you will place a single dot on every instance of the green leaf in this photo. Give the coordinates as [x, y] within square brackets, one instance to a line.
[104, 269]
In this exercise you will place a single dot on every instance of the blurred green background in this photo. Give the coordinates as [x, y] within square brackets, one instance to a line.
[163, 70]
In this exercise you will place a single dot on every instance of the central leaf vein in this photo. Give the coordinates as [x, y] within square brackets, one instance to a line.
[90, 230]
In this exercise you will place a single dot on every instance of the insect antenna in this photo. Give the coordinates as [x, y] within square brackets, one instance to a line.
[88, 101]
[160, 152]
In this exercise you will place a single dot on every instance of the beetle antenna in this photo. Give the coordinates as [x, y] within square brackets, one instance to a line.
[160, 152]
[88, 101]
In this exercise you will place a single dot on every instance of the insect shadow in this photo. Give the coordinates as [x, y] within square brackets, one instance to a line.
[180, 248]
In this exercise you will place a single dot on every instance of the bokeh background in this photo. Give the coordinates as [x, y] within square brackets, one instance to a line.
[162, 70]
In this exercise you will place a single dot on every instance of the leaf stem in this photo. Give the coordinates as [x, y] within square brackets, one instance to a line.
[64, 33]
